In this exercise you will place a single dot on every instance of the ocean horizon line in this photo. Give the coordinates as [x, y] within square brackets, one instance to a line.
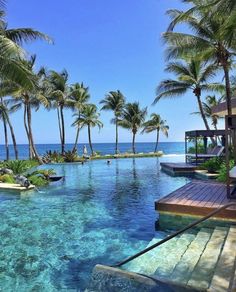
[94, 143]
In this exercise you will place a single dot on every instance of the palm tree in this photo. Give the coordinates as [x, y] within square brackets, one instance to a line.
[192, 76]
[132, 118]
[60, 93]
[31, 98]
[11, 52]
[114, 101]
[6, 108]
[78, 99]
[156, 124]
[211, 101]
[88, 117]
[211, 40]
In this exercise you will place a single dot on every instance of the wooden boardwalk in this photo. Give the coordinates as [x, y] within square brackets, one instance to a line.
[197, 198]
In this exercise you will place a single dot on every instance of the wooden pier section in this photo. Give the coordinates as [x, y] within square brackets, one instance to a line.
[197, 198]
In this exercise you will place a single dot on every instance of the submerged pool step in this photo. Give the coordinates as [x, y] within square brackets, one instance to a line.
[184, 268]
[166, 262]
[201, 261]
[204, 270]
[225, 269]
[162, 259]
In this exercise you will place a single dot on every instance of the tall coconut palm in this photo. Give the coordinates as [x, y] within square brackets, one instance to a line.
[211, 40]
[132, 118]
[211, 101]
[11, 52]
[192, 76]
[114, 101]
[88, 117]
[60, 93]
[79, 97]
[3, 114]
[31, 98]
[6, 108]
[156, 124]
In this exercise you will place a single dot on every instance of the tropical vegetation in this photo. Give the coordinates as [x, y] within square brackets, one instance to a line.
[200, 48]
[115, 102]
[132, 118]
[156, 124]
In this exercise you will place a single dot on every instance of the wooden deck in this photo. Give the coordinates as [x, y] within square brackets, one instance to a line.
[178, 168]
[197, 198]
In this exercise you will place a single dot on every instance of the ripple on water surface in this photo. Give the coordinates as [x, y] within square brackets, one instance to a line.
[102, 213]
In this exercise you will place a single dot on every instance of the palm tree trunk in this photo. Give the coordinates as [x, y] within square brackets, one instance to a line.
[133, 142]
[227, 88]
[35, 153]
[6, 139]
[59, 124]
[229, 105]
[27, 132]
[157, 141]
[89, 137]
[76, 140]
[203, 116]
[116, 136]
[13, 137]
[62, 131]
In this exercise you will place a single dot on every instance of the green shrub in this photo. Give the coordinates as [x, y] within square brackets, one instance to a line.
[19, 166]
[200, 149]
[70, 156]
[55, 156]
[222, 177]
[7, 178]
[38, 181]
[212, 165]
[46, 172]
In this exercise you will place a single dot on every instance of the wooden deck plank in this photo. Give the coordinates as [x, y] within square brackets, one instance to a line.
[181, 192]
[197, 198]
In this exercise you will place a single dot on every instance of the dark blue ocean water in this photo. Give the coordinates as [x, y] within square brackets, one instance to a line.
[103, 148]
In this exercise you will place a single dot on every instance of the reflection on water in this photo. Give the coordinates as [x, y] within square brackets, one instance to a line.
[100, 214]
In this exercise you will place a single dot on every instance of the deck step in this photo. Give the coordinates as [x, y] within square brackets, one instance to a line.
[190, 258]
[204, 270]
[224, 271]
[167, 262]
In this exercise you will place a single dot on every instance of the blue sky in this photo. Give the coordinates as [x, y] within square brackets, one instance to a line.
[109, 45]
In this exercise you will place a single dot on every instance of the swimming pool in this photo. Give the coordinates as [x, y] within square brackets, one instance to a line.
[51, 240]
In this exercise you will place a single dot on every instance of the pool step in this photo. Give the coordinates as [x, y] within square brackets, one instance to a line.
[159, 260]
[204, 269]
[200, 261]
[223, 278]
[184, 268]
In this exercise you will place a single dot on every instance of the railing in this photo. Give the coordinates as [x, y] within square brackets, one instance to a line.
[211, 214]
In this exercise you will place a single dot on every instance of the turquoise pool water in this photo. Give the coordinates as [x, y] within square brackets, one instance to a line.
[50, 240]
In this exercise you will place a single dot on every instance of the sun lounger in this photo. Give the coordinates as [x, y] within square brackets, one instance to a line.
[217, 151]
